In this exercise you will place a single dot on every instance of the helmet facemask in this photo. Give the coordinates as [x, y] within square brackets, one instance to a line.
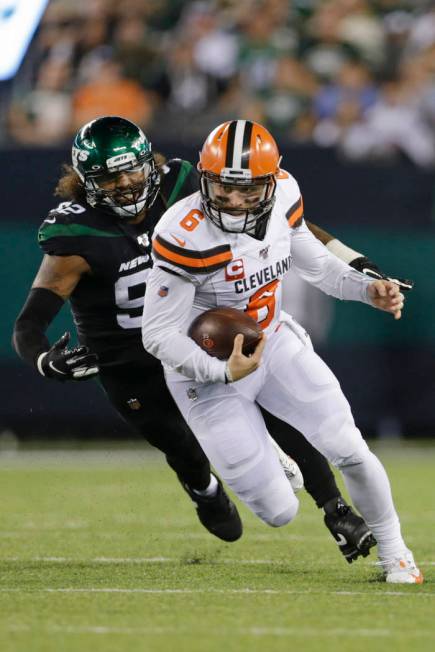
[114, 161]
[136, 192]
[238, 203]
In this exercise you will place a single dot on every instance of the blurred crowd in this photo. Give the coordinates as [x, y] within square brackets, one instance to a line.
[355, 74]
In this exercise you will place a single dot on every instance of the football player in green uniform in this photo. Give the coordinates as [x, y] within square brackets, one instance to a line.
[96, 246]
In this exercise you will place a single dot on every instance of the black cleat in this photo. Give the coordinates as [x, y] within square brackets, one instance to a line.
[218, 513]
[350, 531]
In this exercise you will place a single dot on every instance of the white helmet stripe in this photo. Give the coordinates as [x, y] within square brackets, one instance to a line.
[238, 144]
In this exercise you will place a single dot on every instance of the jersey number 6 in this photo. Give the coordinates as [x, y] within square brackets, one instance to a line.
[191, 220]
[261, 306]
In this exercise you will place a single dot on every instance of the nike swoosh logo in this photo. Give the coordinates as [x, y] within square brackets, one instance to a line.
[371, 272]
[58, 371]
[341, 540]
[182, 243]
[50, 221]
[401, 283]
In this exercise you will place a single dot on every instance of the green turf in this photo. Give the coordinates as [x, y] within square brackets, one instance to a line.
[102, 552]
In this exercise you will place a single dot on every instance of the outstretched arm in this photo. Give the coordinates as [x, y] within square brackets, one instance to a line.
[355, 259]
[317, 266]
[55, 281]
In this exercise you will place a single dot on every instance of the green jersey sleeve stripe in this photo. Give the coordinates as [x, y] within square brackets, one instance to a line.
[185, 169]
[67, 230]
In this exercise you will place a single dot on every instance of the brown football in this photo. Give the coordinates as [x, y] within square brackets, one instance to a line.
[215, 330]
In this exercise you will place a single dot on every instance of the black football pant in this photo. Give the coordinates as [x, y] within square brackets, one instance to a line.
[139, 394]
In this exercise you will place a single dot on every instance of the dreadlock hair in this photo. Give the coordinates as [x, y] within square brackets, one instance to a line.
[70, 185]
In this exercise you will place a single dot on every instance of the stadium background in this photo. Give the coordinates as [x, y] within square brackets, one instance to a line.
[348, 89]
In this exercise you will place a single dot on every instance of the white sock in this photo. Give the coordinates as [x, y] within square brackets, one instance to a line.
[210, 490]
[369, 488]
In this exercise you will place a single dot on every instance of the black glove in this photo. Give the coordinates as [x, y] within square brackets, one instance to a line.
[364, 265]
[68, 364]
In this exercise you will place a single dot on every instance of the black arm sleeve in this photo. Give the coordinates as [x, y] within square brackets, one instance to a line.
[38, 312]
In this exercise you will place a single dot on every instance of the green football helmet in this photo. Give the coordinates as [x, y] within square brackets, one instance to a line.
[113, 158]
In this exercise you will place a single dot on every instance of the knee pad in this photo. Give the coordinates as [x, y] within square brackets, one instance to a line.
[354, 451]
[358, 456]
[283, 517]
[275, 503]
[338, 438]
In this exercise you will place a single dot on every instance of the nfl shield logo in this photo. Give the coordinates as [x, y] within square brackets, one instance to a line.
[143, 240]
[134, 404]
[263, 253]
[163, 291]
[192, 394]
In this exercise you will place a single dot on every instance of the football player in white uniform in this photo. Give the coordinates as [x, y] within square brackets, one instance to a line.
[230, 245]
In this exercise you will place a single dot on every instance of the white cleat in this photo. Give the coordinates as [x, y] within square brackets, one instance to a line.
[402, 570]
[291, 469]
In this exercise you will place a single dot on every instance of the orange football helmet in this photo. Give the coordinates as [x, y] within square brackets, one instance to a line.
[237, 165]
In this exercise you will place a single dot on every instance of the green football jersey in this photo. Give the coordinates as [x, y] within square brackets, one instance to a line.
[107, 303]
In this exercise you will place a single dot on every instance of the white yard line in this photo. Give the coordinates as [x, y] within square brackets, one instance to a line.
[142, 560]
[58, 458]
[242, 631]
[185, 536]
[167, 560]
[138, 456]
[245, 591]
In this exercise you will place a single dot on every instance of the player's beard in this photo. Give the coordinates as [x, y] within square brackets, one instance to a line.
[127, 204]
[244, 223]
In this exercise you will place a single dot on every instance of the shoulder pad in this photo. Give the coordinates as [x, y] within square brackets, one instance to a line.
[295, 213]
[172, 164]
[70, 219]
[288, 188]
[181, 240]
[175, 252]
[67, 210]
[179, 180]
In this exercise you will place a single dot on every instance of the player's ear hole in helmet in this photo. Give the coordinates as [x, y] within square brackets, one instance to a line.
[114, 161]
[238, 165]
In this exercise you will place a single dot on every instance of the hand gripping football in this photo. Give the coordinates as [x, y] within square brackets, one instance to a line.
[214, 331]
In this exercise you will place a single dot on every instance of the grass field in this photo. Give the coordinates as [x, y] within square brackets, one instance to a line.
[101, 551]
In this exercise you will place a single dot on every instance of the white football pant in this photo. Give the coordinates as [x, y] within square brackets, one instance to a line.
[295, 385]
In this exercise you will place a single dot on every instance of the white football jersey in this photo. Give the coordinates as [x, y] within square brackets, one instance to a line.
[199, 266]
[231, 269]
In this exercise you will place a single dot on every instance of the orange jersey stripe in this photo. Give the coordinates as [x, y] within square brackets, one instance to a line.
[180, 258]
